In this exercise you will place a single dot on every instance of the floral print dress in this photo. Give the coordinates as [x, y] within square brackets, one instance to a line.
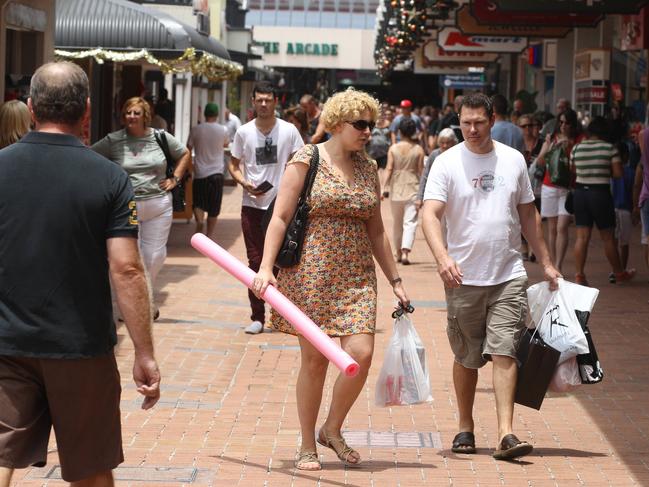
[335, 281]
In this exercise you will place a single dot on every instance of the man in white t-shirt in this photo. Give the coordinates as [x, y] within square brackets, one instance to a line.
[208, 141]
[232, 123]
[260, 151]
[482, 188]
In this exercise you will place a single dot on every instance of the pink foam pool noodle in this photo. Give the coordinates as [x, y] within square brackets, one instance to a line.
[301, 322]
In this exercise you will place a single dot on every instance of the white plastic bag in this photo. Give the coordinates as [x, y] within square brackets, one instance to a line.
[566, 377]
[404, 375]
[553, 314]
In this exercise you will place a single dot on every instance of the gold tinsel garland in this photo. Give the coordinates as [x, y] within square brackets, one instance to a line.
[204, 64]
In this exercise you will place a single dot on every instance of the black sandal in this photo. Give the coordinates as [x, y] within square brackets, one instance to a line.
[511, 447]
[464, 442]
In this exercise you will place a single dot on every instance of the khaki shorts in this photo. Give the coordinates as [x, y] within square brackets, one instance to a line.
[486, 320]
[78, 397]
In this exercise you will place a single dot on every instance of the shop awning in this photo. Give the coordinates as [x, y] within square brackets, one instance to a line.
[120, 31]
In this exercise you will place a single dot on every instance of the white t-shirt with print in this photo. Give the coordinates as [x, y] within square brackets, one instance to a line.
[208, 141]
[482, 193]
[264, 157]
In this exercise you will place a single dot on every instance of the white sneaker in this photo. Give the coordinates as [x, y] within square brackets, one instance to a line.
[254, 328]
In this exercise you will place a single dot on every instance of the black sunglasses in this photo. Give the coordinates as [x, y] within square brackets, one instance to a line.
[361, 125]
[268, 145]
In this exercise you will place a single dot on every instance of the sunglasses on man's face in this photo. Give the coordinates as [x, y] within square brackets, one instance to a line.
[361, 125]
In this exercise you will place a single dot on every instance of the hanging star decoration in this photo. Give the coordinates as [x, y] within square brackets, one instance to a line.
[402, 26]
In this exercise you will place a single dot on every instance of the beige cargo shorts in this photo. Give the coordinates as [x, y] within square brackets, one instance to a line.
[485, 321]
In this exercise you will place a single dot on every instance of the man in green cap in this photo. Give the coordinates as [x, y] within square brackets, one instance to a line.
[208, 141]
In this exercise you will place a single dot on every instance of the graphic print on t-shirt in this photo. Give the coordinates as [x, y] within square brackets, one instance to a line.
[266, 155]
[487, 181]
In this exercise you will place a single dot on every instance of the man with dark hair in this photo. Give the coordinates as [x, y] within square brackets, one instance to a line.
[316, 128]
[57, 334]
[503, 130]
[406, 113]
[208, 141]
[262, 146]
[165, 108]
[451, 119]
[482, 188]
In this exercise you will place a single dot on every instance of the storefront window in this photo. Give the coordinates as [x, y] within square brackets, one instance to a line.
[24, 53]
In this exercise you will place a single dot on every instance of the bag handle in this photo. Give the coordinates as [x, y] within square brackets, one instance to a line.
[311, 174]
[161, 139]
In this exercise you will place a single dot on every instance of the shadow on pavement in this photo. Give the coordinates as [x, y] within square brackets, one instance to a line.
[619, 324]
[287, 468]
[228, 229]
[291, 471]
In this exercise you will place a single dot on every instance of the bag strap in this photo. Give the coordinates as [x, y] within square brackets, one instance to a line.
[311, 174]
[161, 139]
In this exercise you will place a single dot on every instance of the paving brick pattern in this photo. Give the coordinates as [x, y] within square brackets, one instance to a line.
[227, 415]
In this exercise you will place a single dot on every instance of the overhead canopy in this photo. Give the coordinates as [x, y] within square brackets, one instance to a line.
[120, 30]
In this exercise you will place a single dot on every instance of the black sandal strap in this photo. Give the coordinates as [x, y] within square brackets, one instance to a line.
[464, 438]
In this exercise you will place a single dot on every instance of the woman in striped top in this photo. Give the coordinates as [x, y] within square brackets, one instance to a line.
[594, 162]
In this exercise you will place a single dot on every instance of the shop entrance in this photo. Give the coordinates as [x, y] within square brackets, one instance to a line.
[24, 53]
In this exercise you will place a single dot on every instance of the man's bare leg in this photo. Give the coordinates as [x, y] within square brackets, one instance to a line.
[198, 216]
[465, 381]
[102, 479]
[211, 226]
[505, 373]
[5, 476]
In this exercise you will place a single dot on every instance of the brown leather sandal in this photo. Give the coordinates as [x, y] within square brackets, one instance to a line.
[511, 447]
[340, 448]
[303, 458]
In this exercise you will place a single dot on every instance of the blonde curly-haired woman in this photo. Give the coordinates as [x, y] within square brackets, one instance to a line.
[335, 279]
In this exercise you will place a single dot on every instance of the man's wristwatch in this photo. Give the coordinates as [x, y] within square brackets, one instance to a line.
[395, 281]
[176, 179]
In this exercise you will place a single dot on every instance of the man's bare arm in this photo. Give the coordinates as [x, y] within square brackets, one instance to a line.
[134, 300]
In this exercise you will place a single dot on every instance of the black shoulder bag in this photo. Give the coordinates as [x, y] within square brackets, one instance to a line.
[178, 193]
[291, 250]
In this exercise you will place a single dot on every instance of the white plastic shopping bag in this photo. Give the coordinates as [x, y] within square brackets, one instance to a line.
[553, 314]
[566, 377]
[404, 375]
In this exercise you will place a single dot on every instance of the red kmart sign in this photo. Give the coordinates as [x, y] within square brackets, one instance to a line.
[451, 39]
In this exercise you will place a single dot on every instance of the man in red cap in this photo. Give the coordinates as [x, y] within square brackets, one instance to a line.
[406, 112]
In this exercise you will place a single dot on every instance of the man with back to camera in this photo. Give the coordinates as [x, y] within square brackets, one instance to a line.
[262, 146]
[406, 112]
[67, 222]
[316, 128]
[483, 189]
[208, 141]
[451, 119]
[503, 130]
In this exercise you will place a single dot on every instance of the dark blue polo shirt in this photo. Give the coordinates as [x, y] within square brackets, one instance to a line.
[59, 203]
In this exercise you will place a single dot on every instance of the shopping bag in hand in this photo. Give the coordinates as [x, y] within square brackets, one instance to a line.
[566, 377]
[404, 375]
[538, 362]
[590, 370]
[557, 323]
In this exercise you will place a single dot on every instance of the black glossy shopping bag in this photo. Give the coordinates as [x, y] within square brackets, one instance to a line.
[538, 361]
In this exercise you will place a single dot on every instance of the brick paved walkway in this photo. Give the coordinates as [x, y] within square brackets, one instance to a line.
[227, 415]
